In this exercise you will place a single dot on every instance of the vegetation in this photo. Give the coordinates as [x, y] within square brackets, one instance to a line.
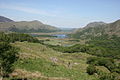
[97, 30]
[109, 76]
[106, 52]
[109, 63]
[51, 64]
[91, 69]
[12, 37]
[8, 56]
[97, 59]
[71, 49]
[103, 48]
[14, 29]
[106, 48]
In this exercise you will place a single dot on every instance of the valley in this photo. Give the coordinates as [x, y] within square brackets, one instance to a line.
[89, 53]
[59, 39]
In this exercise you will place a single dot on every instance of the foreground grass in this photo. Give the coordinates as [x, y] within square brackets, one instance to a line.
[36, 57]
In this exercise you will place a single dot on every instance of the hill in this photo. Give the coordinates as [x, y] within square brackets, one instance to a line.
[95, 24]
[103, 39]
[4, 19]
[98, 29]
[50, 64]
[41, 61]
[26, 26]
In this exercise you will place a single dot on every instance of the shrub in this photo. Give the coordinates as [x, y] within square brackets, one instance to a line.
[92, 60]
[110, 76]
[12, 37]
[91, 69]
[8, 55]
[106, 62]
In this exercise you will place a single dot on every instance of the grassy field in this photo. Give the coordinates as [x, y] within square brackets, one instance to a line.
[61, 42]
[39, 62]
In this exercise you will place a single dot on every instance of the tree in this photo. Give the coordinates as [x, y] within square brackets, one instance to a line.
[8, 56]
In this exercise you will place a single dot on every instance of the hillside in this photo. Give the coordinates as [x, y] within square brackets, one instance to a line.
[27, 26]
[48, 59]
[48, 64]
[98, 29]
[95, 24]
[4, 19]
[113, 28]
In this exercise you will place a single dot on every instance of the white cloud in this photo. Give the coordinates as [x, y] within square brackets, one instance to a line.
[27, 10]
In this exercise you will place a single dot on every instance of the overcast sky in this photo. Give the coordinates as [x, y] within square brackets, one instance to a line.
[61, 13]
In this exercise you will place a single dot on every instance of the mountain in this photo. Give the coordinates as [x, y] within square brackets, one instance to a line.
[113, 28]
[4, 19]
[95, 24]
[97, 29]
[27, 26]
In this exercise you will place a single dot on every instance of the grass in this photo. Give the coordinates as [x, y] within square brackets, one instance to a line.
[62, 42]
[36, 57]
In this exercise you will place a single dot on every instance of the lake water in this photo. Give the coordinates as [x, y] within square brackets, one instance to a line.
[60, 35]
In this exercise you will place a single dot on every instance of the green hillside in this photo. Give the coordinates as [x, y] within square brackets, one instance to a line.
[51, 64]
[37, 60]
[95, 29]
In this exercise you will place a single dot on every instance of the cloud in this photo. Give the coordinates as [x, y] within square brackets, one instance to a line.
[27, 10]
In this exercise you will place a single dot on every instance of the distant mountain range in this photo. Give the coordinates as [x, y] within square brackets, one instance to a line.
[25, 26]
[4, 19]
[98, 29]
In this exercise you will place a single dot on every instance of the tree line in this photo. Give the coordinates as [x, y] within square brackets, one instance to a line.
[12, 37]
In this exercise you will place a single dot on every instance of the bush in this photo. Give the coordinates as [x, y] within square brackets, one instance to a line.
[110, 76]
[106, 62]
[92, 60]
[12, 37]
[4, 37]
[8, 56]
[71, 49]
[91, 69]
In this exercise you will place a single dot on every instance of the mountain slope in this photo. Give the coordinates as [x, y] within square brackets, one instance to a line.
[95, 24]
[113, 28]
[27, 26]
[4, 19]
[98, 29]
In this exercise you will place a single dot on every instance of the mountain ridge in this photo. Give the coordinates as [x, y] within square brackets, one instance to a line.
[27, 26]
[97, 30]
[95, 24]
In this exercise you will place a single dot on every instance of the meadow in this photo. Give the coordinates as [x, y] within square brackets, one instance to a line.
[50, 64]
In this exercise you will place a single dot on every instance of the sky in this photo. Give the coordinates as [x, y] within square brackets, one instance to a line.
[61, 13]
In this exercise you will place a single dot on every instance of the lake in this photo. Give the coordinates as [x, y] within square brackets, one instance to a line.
[60, 35]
